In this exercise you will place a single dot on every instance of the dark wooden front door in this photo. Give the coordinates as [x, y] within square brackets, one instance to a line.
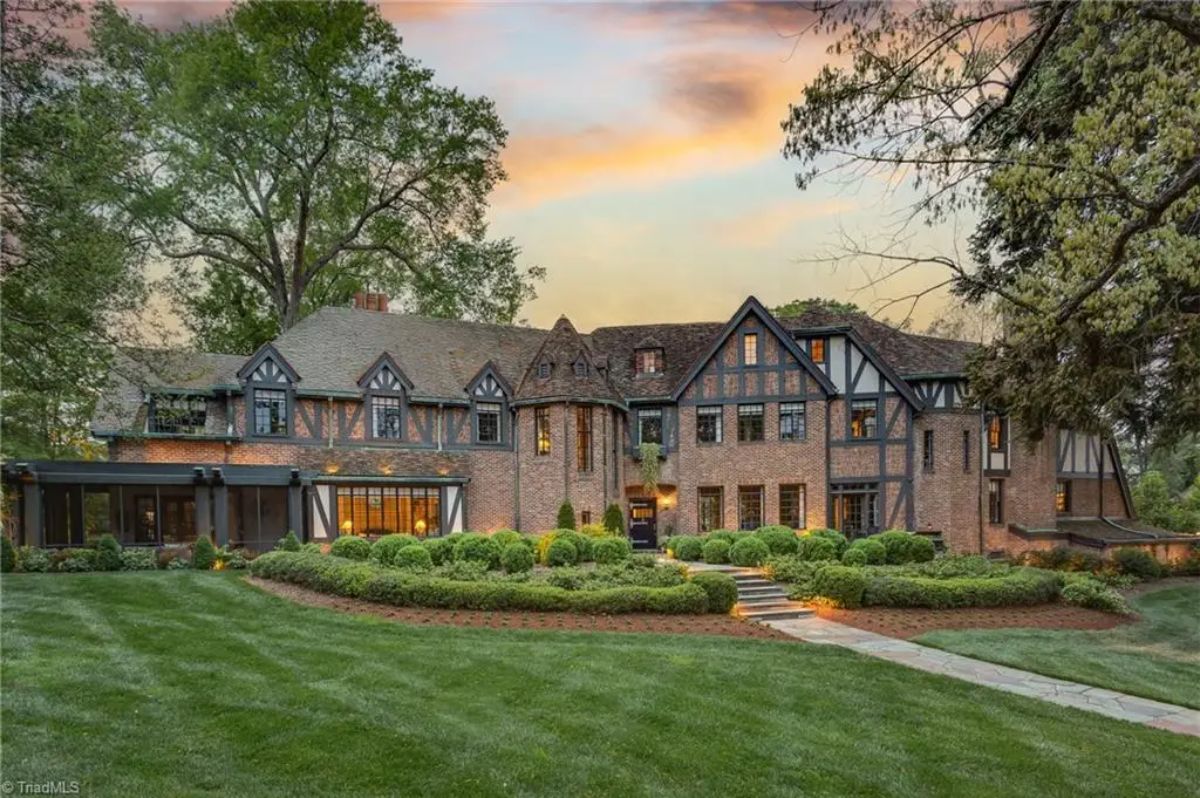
[643, 530]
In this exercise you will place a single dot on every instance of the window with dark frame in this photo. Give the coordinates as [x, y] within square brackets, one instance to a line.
[816, 350]
[585, 517]
[583, 439]
[543, 371]
[750, 423]
[708, 424]
[927, 450]
[856, 508]
[386, 420]
[791, 421]
[487, 422]
[180, 415]
[650, 425]
[712, 509]
[863, 418]
[581, 369]
[996, 501]
[750, 507]
[966, 451]
[541, 428]
[389, 509]
[1062, 496]
[648, 361]
[270, 412]
[997, 433]
[791, 506]
[750, 349]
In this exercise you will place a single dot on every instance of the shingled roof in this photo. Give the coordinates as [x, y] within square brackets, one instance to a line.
[681, 345]
[563, 348]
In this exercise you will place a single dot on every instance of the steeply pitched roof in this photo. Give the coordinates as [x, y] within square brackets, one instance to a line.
[682, 344]
[137, 371]
[563, 348]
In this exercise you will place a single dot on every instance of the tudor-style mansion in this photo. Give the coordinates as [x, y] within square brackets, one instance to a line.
[362, 421]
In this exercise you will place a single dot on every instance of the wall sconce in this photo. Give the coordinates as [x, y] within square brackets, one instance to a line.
[419, 527]
[347, 527]
[332, 468]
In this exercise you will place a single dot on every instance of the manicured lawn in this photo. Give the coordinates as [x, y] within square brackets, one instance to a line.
[1159, 657]
[190, 683]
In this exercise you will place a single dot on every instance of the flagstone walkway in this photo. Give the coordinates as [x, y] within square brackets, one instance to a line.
[1057, 691]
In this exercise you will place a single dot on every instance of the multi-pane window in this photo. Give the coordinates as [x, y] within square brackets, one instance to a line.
[650, 425]
[1062, 496]
[750, 349]
[712, 514]
[178, 414]
[388, 509]
[648, 361]
[708, 424]
[927, 450]
[997, 433]
[750, 506]
[270, 412]
[487, 422]
[544, 370]
[541, 427]
[996, 501]
[856, 508]
[791, 421]
[863, 413]
[791, 506]
[581, 368]
[966, 450]
[816, 350]
[750, 422]
[583, 439]
[387, 422]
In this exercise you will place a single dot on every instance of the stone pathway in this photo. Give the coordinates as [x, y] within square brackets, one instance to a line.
[1057, 691]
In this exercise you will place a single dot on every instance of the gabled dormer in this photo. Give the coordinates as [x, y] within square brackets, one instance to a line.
[564, 369]
[490, 395]
[385, 390]
[270, 388]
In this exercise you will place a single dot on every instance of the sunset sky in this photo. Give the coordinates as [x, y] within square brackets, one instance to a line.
[644, 157]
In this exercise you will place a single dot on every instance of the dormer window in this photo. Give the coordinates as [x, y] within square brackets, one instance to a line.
[750, 349]
[816, 350]
[581, 368]
[270, 412]
[387, 419]
[543, 371]
[648, 361]
[179, 415]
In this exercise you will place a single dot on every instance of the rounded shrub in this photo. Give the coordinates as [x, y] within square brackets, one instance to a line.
[441, 550]
[749, 552]
[840, 543]
[687, 547]
[814, 548]
[108, 554]
[288, 542]
[204, 556]
[517, 558]
[610, 550]
[351, 547]
[721, 589]
[76, 560]
[872, 550]
[716, 551]
[415, 558]
[594, 531]
[841, 586]
[33, 560]
[905, 547]
[8, 555]
[854, 557]
[477, 548]
[723, 534]
[506, 537]
[141, 559]
[561, 552]
[1094, 595]
[384, 550]
[1137, 562]
[779, 539]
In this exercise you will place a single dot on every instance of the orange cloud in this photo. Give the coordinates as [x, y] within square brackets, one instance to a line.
[764, 226]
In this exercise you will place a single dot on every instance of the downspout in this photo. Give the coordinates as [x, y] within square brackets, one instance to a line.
[1100, 486]
[982, 452]
[516, 442]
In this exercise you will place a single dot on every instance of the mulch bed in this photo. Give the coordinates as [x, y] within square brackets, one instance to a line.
[906, 623]
[725, 625]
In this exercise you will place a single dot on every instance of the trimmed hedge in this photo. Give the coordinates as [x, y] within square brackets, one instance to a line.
[1020, 587]
[870, 551]
[749, 552]
[904, 547]
[840, 585]
[504, 537]
[384, 550]
[441, 550]
[413, 557]
[779, 539]
[689, 548]
[560, 552]
[721, 589]
[716, 551]
[351, 547]
[1094, 595]
[838, 540]
[817, 547]
[140, 559]
[517, 558]
[405, 589]
[477, 548]
[610, 550]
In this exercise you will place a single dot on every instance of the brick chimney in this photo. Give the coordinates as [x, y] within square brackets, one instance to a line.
[371, 301]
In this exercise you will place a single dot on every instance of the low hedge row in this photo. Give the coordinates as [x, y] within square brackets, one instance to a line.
[1021, 587]
[407, 589]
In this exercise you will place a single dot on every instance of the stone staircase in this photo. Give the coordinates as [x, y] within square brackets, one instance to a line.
[760, 599]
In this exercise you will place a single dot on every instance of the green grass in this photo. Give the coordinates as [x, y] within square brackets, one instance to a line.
[1158, 657]
[187, 683]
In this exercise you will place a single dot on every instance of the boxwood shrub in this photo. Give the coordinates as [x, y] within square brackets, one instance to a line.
[139, 559]
[33, 560]
[406, 589]
[561, 552]
[904, 547]
[870, 551]
[840, 585]
[384, 550]
[415, 558]
[779, 539]
[749, 552]
[1021, 586]
[288, 542]
[838, 540]
[721, 589]
[689, 548]
[351, 547]
[1137, 562]
[609, 550]
[716, 551]
[517, 558]
[477, 548]
[816, 547]
[108, 554]
[73, 560]
[441, 550]
[1094, 595]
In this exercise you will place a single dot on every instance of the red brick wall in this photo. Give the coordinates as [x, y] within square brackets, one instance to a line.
[947, 498]
[546, 480]
[1085, 498]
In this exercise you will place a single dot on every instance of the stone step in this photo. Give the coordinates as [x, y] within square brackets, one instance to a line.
[775, 595]
[753, 581]
[773, 612]
[758, 588]
[764, 601]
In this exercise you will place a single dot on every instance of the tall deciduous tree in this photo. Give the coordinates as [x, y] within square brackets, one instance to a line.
[296, 154]
[1071, 128]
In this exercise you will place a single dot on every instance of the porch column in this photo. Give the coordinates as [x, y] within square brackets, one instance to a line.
[203, 515]
[295, 512]
[220, 513]
[31, 495]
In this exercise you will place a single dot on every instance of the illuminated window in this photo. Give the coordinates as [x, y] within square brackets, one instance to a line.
[750, 422]
[385, 412]
[708, 424]
[750, 349]
[388, 509]
[997, 433]
[791, 506]
[648, 361]
[711, 509]
[541, 425]
[487, 422]
[750, 507]
[996, 501]
[791, 421]
[863, 415]
[583, 439]
[1062, 496]
[816, 350]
